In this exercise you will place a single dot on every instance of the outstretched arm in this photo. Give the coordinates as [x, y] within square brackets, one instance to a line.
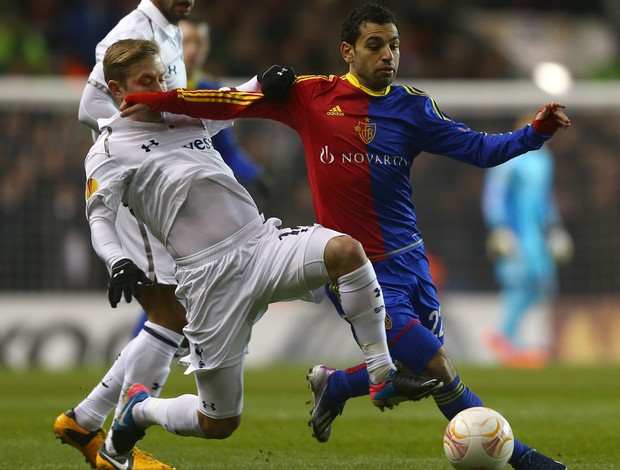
[275, 82]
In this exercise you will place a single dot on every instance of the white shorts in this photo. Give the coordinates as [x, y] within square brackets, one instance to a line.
[144, 249]
[226, 289]
[220, 391]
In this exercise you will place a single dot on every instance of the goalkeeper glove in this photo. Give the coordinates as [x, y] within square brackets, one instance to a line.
[501, 243]
[561, 245]
[125, 280]
[276, 81]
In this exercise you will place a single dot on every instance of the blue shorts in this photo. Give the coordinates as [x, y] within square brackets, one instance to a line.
[410, 300]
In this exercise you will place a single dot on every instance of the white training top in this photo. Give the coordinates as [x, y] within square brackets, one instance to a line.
[150, 167]
[145, 22]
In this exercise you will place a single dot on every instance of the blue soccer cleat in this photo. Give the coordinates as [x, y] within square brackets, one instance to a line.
[534, 460]
[125, 432]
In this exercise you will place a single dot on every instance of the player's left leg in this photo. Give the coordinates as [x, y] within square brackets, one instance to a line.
[362, 302]
[455, 396]
[81, 426]
[332, 388]
[215, 413]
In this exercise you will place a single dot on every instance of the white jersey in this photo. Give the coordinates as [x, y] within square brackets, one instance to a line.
[150, 168]
[145, 22]
[172, 179]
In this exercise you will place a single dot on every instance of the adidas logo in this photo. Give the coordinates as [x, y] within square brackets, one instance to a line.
[335, 111]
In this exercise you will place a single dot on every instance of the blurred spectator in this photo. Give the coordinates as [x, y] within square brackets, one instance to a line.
[437, 42]
[23, 49]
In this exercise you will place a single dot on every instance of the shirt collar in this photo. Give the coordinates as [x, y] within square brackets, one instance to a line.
[355, 82]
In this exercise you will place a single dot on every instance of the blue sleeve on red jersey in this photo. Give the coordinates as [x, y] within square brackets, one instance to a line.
[455, 140]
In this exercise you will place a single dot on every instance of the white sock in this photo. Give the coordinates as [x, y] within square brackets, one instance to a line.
[362, 302]
[178, 415]
[92, 412]
[148, 361]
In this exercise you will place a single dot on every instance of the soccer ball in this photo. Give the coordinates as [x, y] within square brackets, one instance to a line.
[478, 439]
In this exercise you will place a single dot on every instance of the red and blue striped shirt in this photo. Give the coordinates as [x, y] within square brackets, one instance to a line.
[360, 146]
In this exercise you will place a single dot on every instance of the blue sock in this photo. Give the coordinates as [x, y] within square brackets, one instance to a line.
[139, 324]
[456, 397]
[349, 383]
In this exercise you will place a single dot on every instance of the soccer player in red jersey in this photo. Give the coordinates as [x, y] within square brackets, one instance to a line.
[361, 134]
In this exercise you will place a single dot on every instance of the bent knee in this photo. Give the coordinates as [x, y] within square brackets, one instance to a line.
[218, 428]
[343, 254]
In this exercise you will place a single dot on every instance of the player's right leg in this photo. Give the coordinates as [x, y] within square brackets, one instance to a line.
[150, 353]
[70, 432]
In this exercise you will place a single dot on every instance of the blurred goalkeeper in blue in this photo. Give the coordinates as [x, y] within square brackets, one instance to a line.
[526, 241]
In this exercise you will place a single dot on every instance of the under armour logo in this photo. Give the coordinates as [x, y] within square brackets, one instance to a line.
[147, 148]
[156, 386]
[211, 406]
[172, 70]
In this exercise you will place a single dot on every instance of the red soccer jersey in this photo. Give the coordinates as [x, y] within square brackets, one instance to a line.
[359, 147]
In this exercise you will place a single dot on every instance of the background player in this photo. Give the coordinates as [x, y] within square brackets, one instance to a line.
[360, 135]
[526, 240]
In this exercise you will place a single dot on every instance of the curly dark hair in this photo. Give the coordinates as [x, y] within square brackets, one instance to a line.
[372, 13]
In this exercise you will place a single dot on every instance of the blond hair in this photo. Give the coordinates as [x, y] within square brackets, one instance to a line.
[124, 54]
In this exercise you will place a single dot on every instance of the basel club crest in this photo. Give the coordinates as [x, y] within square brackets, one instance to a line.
[366, 130]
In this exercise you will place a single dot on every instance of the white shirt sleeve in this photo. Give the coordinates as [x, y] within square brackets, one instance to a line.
[103, 234]
[95, 104]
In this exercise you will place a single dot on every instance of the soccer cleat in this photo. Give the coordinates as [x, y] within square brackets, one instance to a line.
[534, 460]
[125, 432]
[136, 460]
[70, 432]
[324, 410]
[401, 386]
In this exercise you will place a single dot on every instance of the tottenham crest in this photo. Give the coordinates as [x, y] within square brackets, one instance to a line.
[366, 130]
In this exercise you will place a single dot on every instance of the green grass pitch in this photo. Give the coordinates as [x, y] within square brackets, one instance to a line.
[571, 413]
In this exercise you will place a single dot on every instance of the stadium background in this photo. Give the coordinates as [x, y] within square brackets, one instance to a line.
[474, 57]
